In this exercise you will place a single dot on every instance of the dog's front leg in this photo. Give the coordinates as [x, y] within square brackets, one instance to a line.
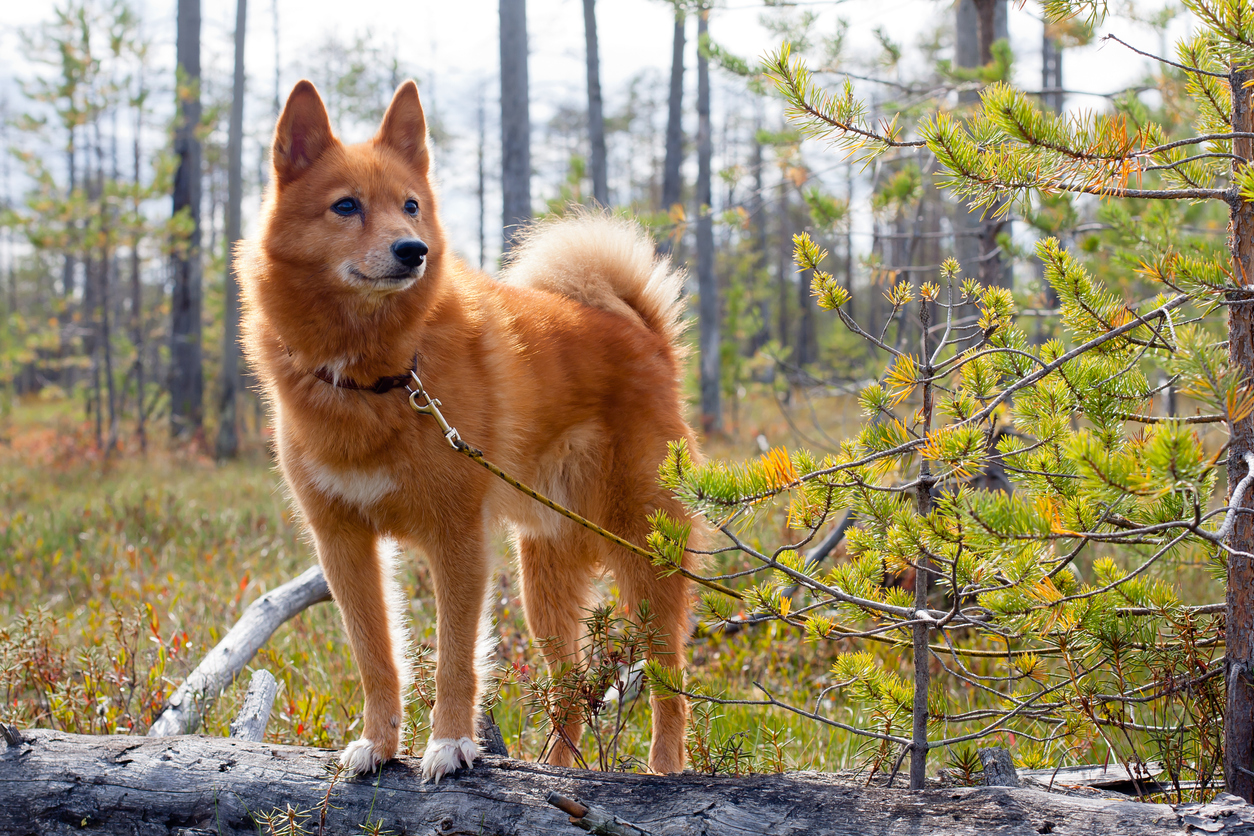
[360, 577]
[460, 573]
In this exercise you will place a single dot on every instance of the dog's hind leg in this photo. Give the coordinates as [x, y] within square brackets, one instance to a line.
[669, 601]
[361, 581]
[556, 576]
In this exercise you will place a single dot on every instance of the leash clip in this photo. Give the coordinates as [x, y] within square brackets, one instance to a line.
[432, 408]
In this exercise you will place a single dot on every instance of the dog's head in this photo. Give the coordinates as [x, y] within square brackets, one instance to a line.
[359, 218]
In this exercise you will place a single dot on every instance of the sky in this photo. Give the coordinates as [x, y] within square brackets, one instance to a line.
[453, 45]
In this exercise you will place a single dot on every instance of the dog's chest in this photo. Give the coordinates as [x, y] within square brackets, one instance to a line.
[363, 487]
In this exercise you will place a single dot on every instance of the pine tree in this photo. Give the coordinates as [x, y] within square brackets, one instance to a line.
[1043, 598]
[86, 214]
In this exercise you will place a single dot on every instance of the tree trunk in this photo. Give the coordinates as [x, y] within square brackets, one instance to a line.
[228, 427]
[1051, 99]
[57, 784]
[1051, 72]
[137, 296]
[921, 631]
[107, 260]
[483, 182]
[68, 268]
[94, 261]
[278, 61]
[596, 118]
[515, 121]
[784, 259]
[991, 25]
[707, 283]
[672, 178]
[980, 23]
[757, 215]
[1239, 631]
[186, 372]
[672, 182]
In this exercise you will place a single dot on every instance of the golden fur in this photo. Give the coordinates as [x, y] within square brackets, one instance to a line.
[565, 374]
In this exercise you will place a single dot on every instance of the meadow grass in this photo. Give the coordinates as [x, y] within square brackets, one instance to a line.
[120, 574]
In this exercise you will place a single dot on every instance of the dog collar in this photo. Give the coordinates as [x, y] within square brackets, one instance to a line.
[379, 387]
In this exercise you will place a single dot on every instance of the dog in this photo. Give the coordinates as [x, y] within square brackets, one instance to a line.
[565, 372]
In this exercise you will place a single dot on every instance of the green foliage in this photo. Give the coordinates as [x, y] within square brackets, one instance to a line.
[723, 57]
[1031, 476]
[601, 687]
[998, 69]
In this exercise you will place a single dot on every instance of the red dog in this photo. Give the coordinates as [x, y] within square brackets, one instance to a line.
[565, 373]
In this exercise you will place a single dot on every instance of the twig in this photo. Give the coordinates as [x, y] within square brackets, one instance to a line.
[1162, 60]
[594, 819]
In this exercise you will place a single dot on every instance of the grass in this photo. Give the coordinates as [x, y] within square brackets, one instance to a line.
[119, 575]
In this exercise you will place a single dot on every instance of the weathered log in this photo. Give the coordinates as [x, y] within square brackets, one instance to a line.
[1111, 776]
[253, 717]
[220, 667]
[999, 767]
[53, 783]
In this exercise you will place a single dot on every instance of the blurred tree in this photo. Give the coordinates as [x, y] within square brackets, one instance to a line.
[227, 445]
[672, 178]
[186, 369]
[596, 118]
[515, 120]
[981, 24]
[708, 311]
[104, 216]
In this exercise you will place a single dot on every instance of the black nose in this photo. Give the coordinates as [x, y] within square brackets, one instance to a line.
[409, 251]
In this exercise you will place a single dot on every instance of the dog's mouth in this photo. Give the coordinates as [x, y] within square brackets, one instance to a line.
[405, 275]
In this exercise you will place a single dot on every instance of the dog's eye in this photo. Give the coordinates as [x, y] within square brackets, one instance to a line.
[411, 207]
[345, 206]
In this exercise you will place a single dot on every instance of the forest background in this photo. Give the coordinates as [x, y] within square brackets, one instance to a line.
[132, 536]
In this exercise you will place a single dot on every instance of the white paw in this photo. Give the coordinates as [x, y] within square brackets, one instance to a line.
[360, 757]
[445, 755]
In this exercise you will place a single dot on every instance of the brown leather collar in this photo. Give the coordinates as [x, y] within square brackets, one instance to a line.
[379, 387]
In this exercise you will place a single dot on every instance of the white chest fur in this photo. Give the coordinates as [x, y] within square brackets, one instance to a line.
[362, 487]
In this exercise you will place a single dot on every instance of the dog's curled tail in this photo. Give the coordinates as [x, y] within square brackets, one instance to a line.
[603, 262]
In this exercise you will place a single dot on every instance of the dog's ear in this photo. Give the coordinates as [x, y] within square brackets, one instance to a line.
[303, 133]
[404, 127]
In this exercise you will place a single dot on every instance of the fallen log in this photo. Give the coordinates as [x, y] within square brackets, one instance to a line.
[55, 784]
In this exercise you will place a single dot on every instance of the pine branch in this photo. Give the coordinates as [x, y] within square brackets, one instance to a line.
[1162, 60]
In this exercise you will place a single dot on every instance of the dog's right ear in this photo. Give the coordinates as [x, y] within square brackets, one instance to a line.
[303, 133]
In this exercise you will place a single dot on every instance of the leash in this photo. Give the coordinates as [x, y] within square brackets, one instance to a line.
[430, 406]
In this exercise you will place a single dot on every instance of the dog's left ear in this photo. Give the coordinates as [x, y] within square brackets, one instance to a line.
[404, 127]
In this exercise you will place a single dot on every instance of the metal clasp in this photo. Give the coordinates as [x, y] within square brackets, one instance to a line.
[432, 408]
